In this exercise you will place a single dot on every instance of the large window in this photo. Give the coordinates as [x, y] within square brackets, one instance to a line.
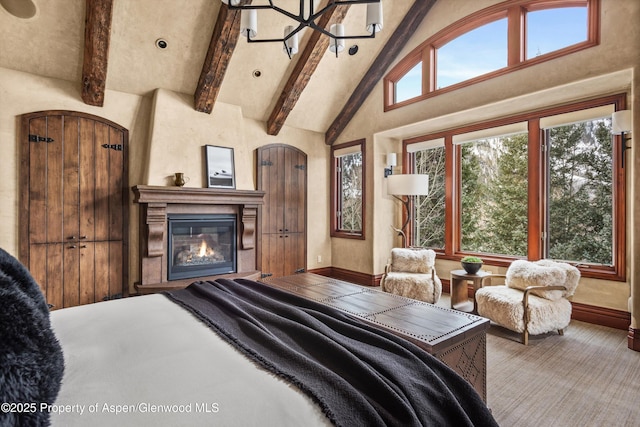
[429, 159]
[580, 191]
[542, 185]
[492, 42]
[348, 171]
[472, 54]
[493, 196]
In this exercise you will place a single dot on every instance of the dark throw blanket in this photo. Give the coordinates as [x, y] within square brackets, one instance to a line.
[31, 360]
[358, 374]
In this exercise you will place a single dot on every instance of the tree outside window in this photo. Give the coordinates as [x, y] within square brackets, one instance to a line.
[348, 201]
[428, 228]
[580, 192]
[494, 195]
[546, 184]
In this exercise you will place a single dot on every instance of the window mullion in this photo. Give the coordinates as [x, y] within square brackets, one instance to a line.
[516, 36]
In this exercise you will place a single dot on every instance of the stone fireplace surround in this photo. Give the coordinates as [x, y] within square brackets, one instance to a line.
[156, 202]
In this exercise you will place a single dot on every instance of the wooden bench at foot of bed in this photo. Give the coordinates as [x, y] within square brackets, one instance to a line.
[456, 338]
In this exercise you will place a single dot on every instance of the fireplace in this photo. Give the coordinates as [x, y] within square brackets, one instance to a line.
[201, 245]
[159, 204]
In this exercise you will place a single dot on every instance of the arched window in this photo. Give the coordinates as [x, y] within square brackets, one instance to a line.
[490, 43]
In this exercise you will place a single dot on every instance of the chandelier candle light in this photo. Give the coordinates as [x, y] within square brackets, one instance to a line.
[306, 17]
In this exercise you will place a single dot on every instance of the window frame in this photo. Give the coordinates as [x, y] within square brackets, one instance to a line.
[515, 11]
[537, 214]
[336, 193]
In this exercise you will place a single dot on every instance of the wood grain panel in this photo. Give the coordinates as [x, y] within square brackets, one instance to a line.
[71, 180]
[101, 183]
[71, 275]
[87, 180]
[38, 268]
[37, 181]
[54, 161]
[54, 282]
[102, 270]
[116, 177]
[87, 292]
[115, 269]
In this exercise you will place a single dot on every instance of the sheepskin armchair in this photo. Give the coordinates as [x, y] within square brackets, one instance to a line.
[533, 299]
[412, 274]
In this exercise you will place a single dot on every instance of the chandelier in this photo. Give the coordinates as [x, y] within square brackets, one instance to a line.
[306, 17]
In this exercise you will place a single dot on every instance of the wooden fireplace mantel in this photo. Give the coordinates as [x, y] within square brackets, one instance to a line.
[157, 201]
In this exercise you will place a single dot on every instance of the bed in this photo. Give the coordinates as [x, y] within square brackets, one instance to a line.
[224, 353]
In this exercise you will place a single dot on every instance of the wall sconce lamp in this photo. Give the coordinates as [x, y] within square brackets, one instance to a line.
[391, 162]
[408, 185]
[621, 124]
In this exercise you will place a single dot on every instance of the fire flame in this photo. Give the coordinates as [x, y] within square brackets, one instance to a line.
[204, 249]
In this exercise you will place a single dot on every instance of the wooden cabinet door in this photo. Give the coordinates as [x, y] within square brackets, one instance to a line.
[282, 175]
[75, 194]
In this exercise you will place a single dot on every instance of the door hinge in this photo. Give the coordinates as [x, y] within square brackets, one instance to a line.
[266, 163]
[38, 138]
[301, 167]
[117, 147]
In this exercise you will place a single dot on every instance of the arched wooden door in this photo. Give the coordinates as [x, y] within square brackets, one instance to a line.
[74, 206]
[282, 175]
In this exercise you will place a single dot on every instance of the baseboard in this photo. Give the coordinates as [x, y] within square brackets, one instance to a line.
[633, 339]
[601, 316]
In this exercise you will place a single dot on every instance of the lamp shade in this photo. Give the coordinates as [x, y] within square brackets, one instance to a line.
[336, 44]
[621, 122]
[374, 17]
[249, 23]
[290, 44]
[391, 160]
[408, 185]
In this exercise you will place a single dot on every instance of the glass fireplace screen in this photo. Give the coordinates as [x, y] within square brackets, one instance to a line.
[201, 245]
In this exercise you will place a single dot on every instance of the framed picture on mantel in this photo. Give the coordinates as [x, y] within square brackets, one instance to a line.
[220, 167]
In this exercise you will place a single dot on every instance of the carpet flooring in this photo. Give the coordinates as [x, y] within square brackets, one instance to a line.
[588, 377]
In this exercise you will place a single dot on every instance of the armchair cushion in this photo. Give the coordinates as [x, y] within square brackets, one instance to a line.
[522, 274]
[503, 305]
[412, 261]
[421, 286]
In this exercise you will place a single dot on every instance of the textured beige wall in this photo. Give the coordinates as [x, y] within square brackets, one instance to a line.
[610, 67]
[166, 135]
[22, 93]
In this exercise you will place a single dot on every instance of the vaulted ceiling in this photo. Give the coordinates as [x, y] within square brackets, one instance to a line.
[112, 45]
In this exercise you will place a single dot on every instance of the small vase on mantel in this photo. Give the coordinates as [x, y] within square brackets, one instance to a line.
[180, 179]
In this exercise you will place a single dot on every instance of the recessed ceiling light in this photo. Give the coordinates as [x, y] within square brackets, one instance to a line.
[256, 73]
[23, 9]
[161, 44]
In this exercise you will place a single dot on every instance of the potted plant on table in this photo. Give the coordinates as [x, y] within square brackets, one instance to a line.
[471, 264]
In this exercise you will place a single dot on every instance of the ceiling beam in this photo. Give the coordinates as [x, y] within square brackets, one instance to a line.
[223, 42]
[376, 72]
[97, 33]
[305, 67]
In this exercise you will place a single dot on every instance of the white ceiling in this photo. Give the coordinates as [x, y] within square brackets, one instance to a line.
[51, 44]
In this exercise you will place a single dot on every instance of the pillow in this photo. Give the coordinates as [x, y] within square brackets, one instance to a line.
[412, 260]
[522, 274]
[31, 360]
[573, 275]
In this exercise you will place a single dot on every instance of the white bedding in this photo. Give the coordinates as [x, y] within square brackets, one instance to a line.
[149, 356]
